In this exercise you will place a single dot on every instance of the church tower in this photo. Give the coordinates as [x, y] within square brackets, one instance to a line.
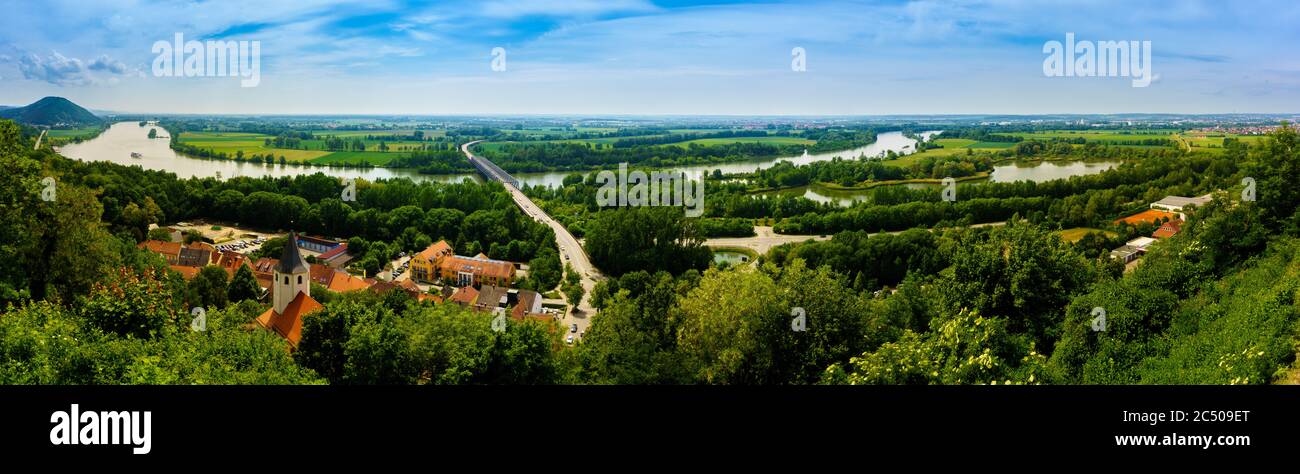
[292, 276]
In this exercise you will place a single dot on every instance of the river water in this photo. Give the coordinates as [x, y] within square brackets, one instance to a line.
[1037, 171]
[123, 138]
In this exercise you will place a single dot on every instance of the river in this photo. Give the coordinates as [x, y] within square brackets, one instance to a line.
[123, 138]
[1036, 171]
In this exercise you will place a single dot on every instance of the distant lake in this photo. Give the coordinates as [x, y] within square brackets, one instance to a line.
[123, 138]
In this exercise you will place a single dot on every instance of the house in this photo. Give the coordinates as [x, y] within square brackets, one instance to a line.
[1126, 253]
[1168, 229]
[336, 280]
[437, 262]
[469, 271]
[411, 289]
[318, 244]
[193, 257]
[170, 251]
[263, 271]
[337, 257]
[464, 296]
[518, 304]
[188, 273]
[424, 265]
[1132, 249]
[1181, 204]
[291, 296]
[230, 261]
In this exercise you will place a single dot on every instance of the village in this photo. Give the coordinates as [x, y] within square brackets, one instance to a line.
[435, 275]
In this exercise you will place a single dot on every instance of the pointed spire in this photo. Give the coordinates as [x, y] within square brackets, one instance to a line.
[291, 261]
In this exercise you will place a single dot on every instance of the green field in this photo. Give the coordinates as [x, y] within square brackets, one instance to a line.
[1074, 234]
[951, 146]
[85, 132]
[772, 140]
[232, 143]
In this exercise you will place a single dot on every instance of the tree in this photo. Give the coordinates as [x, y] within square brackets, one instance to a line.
[208, 288]
[161, 234]
[273, 248]
[544, 269]
[243, 286]
[965, 349]
[131, 305]
[1021, 272]
[645, 238]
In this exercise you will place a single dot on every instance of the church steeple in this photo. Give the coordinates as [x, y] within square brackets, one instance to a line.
[292, 276]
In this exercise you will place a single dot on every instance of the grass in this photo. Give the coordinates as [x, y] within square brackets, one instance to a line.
[84, 132]
[725, 141]
[1073, 235]
[232, 143]
[373, 157]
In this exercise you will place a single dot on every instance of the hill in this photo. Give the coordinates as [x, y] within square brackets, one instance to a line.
[52, 112]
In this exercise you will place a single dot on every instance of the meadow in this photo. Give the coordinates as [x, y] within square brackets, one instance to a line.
[232, 143]
[1074, 234]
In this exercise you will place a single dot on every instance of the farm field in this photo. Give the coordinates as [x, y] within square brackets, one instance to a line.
[772, 140]
[1074, 234]
[85, 132]
[232, 143]
[951, 146]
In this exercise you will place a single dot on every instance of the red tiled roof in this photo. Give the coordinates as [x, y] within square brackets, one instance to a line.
[438, 249]
[465, 296]
[1168, 229]
[336, 280]
[334, 252]
[265, 265]
[158, 246]
[186, 272]
[479, 266]
[289, 324]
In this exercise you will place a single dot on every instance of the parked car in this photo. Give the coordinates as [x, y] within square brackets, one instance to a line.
[569, 339]
[573, 328]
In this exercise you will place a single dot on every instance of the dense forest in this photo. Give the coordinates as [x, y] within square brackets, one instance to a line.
[1013, 303]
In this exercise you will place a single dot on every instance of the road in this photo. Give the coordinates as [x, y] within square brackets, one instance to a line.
[766, 238]
[763, 241]
[38, 140]
[570, 251]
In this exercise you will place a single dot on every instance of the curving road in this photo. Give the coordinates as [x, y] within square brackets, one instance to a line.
[571, 251]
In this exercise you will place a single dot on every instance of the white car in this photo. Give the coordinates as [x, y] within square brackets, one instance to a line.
[569, 339]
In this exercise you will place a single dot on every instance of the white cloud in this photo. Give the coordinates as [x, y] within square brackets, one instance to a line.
[62, 70]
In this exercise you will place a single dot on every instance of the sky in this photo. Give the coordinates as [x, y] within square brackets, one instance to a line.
[644, 57]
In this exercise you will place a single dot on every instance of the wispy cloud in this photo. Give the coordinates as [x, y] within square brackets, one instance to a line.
[61, 70]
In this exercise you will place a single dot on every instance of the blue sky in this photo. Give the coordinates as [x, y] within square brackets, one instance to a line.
[654, 57]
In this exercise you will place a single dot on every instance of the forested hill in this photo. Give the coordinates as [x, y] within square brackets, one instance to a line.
[52, 112]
